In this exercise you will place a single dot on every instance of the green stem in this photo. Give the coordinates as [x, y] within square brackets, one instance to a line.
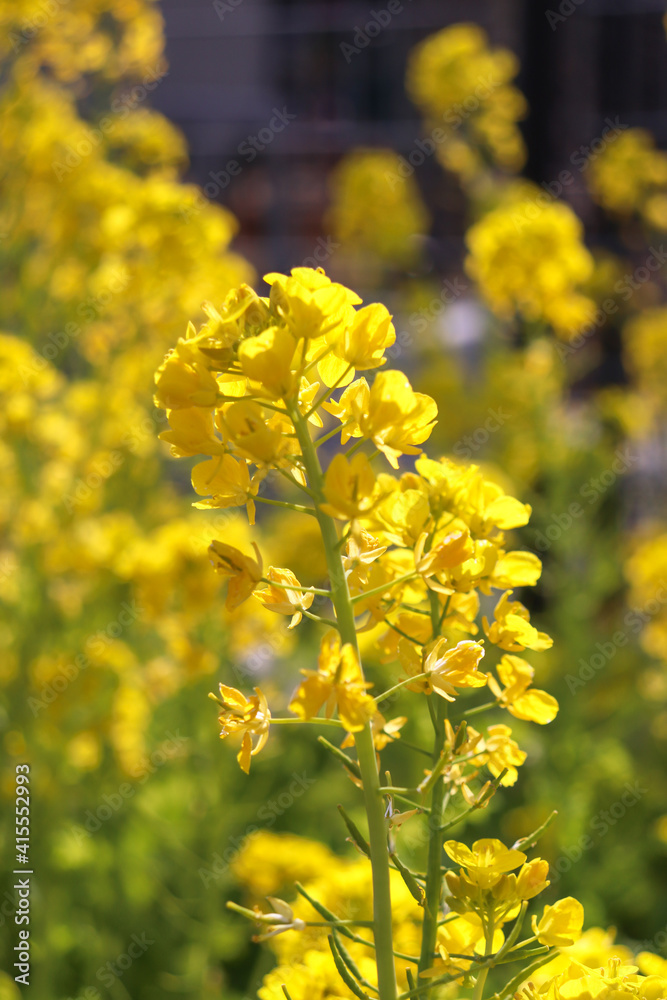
[433, 873]
[299, 722]
[433, 864]
[299, 508]
[409, 802]
[322, 621]
[402, 684]
[290, 479]
[377, 831]
[327, 392]
[484, 972]
[384, 587]
[400, 631]
[332, 433]
[355, 447]
[480, 708]
[296, 587]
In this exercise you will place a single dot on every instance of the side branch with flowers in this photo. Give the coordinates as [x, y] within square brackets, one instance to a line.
[408, 556]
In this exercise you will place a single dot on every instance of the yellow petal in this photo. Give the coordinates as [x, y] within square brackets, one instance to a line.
[244, 754]
[535, 706]
[506, 512]
[310, 696]
[516, 569]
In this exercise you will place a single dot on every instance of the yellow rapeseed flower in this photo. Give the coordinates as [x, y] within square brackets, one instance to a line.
[560, 925]
[249, 716]
[516, 695]
[396, 418]
[225, 482]
[285, 600]
[449, 667]
[486, 861]
[350, 487]
[337, 683]
[530, 258]
[244, 572]
[511, 629]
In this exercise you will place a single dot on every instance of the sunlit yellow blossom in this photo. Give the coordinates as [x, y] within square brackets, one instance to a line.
[257, 437]
[577, 981]
[506, 894]
[267, 359]
[244, 572]
[367, 338]
[396, 418]
[479, 502]
[353, 401]
[309, 302]
[225, 482]
[284, 600]
[652, 965]
[461, 612]
[475, 572]
[401, 514]
[560, 924]
[465, 90]
[362, 550]
[532, 260]
[349, 486]
[183, 381]
[502, 752]
[516, 569]
[268, 862]
[628, 172]
[520, 700]
[192, 432]
[486, 861]
[314, 977]
[249, 716]
[532, 879]
[417, 626]
[512, 630]
[337, 683]
[456, 666]
[452, 550]
[411, 658]
[375, 212]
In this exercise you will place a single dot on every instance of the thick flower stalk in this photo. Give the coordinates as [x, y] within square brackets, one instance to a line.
[408, 554]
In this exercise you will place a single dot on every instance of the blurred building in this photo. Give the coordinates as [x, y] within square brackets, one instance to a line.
[270, 93]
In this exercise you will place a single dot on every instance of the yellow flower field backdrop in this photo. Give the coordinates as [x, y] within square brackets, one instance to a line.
[143, 370]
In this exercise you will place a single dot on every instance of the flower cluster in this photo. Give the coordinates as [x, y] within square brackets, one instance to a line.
[630, 176]
[241, 391]
[376, 208]
[528, 257]
[492, 879]
[465, 90]
[103, 256]
[261, 391]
